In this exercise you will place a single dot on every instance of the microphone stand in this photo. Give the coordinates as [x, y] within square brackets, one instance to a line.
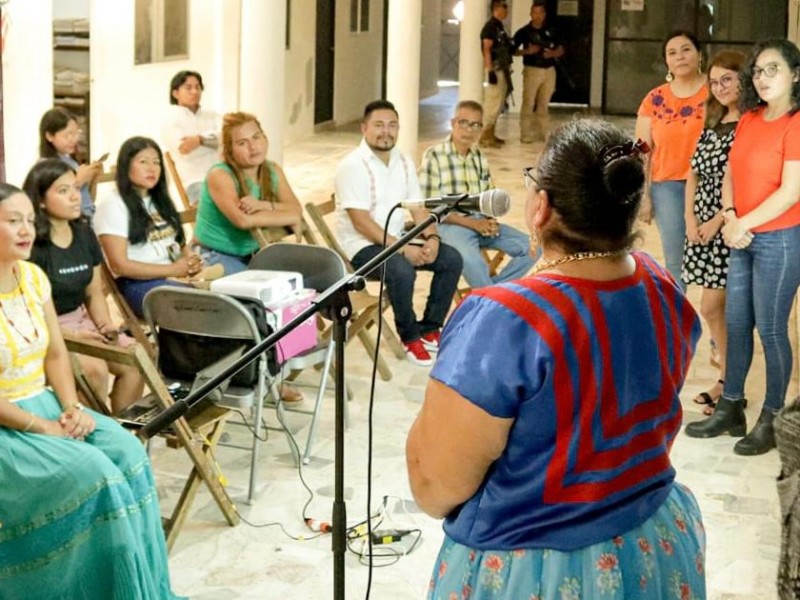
[334, 304]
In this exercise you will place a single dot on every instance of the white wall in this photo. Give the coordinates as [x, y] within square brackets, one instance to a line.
[130, 99]
[358, 63]
[27, 81]
[300, 65]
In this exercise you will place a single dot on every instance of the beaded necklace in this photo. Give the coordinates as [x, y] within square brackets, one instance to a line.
[578, 256]
[27, 310]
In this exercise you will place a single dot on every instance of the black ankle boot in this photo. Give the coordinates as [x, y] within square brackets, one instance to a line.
[728, 417]
[761, 438]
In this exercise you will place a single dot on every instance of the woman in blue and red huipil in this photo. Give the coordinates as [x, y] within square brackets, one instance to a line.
[545, 434]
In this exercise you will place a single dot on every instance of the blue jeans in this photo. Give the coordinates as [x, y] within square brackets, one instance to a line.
[134, 290]
[762, 283]
[400, 277]
[232, 264]
[469, 243]
[668, 206]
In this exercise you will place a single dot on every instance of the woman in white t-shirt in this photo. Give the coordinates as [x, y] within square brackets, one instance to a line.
[139, 228]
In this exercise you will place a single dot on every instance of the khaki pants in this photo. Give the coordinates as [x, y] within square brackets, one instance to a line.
[493, 98]
[538, 86]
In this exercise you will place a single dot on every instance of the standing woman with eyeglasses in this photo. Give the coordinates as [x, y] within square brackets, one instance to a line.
[705, 254]
[670, 120]
[760, 196]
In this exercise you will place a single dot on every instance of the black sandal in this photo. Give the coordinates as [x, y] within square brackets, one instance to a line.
[704, 398]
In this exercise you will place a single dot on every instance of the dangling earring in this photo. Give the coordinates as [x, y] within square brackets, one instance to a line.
[669, 77]
[534, 246]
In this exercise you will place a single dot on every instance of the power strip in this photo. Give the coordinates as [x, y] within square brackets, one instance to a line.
[387, 536]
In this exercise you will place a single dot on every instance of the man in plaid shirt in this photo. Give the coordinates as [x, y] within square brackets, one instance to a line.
[457, 166]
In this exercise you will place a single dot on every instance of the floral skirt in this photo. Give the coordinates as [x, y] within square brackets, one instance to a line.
[78, 520]
[662, 558]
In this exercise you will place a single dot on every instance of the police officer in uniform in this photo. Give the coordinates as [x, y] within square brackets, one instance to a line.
[540, 48]
[497, 51]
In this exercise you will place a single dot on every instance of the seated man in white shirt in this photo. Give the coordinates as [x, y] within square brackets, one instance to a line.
[190, 133]
[369, 182]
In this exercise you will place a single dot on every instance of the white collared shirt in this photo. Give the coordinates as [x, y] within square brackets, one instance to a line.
[181, 122]
[365, 182]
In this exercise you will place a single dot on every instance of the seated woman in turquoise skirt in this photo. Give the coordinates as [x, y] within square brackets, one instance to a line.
[545, 433]
[78, 507]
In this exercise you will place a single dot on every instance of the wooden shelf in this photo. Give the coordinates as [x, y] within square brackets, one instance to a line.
[71, 48]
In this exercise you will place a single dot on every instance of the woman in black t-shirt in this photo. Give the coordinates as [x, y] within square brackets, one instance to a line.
[69, 253]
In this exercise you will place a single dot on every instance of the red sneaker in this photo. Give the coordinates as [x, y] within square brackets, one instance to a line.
[417, 354]
[431, 341]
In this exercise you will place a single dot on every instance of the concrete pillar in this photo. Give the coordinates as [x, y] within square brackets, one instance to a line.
[470, 58]
[262, 68]
[402, 69]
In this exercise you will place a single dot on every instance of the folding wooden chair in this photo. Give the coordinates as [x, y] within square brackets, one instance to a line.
[176, 179]
[493, 258]
[135, 325]
[365, 304]
[198, 437]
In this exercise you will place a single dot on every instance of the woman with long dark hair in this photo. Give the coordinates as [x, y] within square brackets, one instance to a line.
[760, 195]
[67, 251]
[58, 138]
[138, 227]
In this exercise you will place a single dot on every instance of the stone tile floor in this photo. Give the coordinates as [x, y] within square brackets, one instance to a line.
[210, 560]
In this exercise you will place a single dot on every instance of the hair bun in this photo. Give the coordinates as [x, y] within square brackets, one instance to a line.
[623, 178]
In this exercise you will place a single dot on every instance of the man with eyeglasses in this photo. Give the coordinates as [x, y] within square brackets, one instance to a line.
[370, 181]
[497, 50]
[540, 48]
[457, 166]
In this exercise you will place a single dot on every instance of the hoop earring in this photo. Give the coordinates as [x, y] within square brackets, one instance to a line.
[669, 77]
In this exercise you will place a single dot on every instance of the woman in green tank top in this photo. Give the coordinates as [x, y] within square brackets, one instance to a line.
[243, 193]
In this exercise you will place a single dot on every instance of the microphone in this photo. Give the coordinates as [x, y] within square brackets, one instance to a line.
[492, 203]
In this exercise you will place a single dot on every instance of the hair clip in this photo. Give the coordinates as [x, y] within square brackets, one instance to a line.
[630, 148]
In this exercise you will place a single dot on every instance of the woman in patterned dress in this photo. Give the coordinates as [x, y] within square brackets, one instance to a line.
[705, 255]
[545, 433]
[79, 510]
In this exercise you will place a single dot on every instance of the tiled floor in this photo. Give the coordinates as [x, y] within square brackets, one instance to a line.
[213, 561]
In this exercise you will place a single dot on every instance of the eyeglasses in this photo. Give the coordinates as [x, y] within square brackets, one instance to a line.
[530, 178]
[723, 82]
[471, 125]
[770, 70]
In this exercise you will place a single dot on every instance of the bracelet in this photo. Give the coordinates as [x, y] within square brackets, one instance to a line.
[31, 421]
[728, 209]
[77, 406]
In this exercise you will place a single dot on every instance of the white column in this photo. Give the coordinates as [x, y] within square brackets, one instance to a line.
[402, 69]
[262, 67]
[470, 57]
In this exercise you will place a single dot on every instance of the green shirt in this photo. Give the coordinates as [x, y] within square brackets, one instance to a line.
[214, 230]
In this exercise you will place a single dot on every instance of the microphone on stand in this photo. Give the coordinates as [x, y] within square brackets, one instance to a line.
[492, 203]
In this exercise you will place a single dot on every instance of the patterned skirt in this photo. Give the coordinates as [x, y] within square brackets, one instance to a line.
[78, 520]
[662, 558]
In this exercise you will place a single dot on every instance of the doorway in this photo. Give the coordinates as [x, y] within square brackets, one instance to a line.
[573, 22]
[324, 64]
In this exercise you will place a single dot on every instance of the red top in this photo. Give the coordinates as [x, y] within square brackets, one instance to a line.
[760, 148]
